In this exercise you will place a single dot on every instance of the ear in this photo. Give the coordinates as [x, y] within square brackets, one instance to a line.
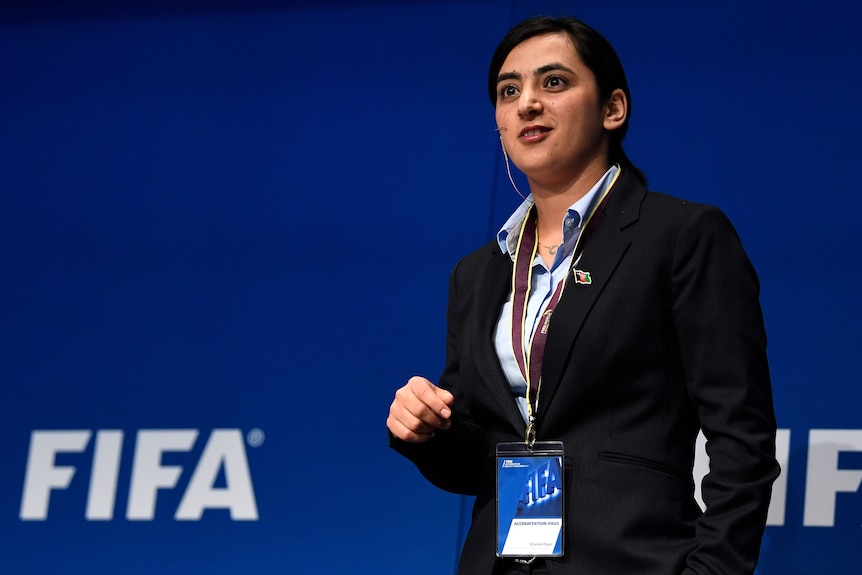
[616, 110]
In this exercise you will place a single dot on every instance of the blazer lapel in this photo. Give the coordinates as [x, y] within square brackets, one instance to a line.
[496, 285]
[600, 258]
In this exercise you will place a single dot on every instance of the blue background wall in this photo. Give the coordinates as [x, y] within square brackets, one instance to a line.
[243, 215]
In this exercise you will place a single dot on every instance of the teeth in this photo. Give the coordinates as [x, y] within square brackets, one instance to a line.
[535, 132]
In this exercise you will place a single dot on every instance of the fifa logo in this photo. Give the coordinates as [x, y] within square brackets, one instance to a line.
[542, 489]
[223, 456]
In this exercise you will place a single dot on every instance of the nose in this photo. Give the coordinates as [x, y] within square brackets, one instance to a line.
[529, 103]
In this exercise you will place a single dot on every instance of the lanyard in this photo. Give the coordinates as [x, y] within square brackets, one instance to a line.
[530, 357]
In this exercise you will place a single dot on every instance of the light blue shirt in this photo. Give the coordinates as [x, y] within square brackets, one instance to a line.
[544, 279]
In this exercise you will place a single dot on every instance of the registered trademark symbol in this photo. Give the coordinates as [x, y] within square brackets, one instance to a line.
[255, 437]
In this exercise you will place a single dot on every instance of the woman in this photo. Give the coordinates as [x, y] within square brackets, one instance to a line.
[634, 317]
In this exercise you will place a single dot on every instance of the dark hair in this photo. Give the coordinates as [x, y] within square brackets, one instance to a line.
[595, 52]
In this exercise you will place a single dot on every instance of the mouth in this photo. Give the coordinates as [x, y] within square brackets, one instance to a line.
[533, 132]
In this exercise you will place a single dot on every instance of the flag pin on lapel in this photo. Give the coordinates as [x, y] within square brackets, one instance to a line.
[583, 277]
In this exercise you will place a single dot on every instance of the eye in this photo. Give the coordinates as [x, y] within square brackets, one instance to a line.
[555, 82]
[507, 91]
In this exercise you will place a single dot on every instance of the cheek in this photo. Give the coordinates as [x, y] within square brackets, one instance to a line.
[500, 119]
[504, 130]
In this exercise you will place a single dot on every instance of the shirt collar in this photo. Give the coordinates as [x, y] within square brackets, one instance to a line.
[507, 237]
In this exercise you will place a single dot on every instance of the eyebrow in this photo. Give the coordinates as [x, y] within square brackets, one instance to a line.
[553, 66]
[508, 76]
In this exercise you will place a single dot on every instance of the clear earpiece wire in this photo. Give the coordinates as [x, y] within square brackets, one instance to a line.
[509, 170]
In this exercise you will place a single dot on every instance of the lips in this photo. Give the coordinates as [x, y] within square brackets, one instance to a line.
[533, 133]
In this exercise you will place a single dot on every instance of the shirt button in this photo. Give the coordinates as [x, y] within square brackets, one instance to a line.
[569, 222]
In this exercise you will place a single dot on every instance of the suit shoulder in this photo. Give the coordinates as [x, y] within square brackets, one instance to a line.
[471, 269]
[479, 258]
[679, 212]
[661, 200]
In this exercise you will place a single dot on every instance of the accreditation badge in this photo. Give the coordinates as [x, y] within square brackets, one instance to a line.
[530, 499]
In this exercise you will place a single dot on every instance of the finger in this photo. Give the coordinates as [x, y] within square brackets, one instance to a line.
[411, 408]
[445, 396]
[405, 433]
[439, 401]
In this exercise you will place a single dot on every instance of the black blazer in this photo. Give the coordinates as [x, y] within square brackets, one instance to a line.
[667, 339]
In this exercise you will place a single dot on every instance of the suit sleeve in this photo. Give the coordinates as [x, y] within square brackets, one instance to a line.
[723, 345]
[452, 460]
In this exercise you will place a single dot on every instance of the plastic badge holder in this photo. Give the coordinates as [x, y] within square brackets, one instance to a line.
[530, 499]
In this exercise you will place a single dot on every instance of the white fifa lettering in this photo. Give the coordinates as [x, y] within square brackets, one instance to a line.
[778, 503]
[148, 473]
[224, 448]
[825, 479]
[103, 479]
[779, 489]
[43, 475]
[224, 455]
[700, 469]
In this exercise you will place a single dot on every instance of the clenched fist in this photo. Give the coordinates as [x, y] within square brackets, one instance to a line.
[420, 409]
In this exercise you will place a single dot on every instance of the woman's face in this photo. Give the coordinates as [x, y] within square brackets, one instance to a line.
[549, 114]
